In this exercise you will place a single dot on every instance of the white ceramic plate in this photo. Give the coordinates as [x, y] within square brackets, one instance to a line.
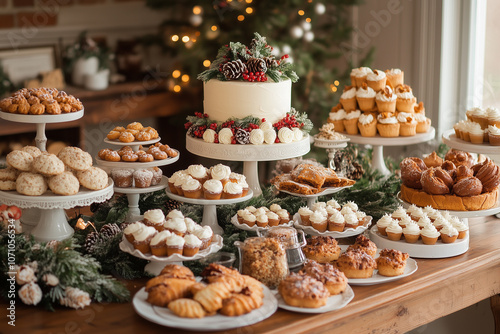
[163, 316]
[348, 232]
[202, 201]
[411, 267]
[44, 118]
[134, 143]
[255, 228]
[333, 303]
[137, 164]
[133, 190]
[325, 143]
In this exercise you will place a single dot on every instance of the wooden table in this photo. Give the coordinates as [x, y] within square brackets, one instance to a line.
[438, 288]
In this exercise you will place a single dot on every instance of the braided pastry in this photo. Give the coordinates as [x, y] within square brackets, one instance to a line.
[411, 172]
[469, 186]
[436, 181]
[239, 304]
[212, 296]
[163, 291]
[187, 308]
[489, 175]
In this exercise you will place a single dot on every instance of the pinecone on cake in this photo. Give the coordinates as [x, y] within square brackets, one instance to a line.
[232, 70]
[255, 65]
[242, 136]
[270, 61]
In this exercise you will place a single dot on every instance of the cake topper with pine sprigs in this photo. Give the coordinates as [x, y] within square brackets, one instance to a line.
[236, 61]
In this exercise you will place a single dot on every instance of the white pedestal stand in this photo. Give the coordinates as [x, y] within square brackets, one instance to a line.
[133, 194]
[311, 199]
[53, 224]
[249, 154]
[452, 141]
[378, 144]
[157, 263]
[331, 147]
[209, 207]
[31, 216]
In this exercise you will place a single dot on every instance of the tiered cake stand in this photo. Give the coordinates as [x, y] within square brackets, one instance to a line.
[249, 154]
[133, 193]
[378, 144]
[331, 147]
[209, 207]
[44, 215]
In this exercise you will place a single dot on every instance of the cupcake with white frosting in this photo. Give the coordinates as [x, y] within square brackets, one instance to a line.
[192, 245]
[358, 75]
[198, 172]
[351, 220]
[448, 234]
[284, 216]
[366, 98]
[407, 124]
[429, 234]
[386, 100]
[173, 179]
[305, 213]
[388, 125]
[128, 232]
[399, 213]
[220, 172]
[154, 218]
[159, 243]
[175, 244]
[192, 189]
[351, 122]
[262, 220]
[348, 98]
[394, 231]
[405, 99]
[273, 218]
[179, 181]
[376, 80]
[411, 232]
[337, 119]
[423, 123]
[205, 234]
[248, 219]
[383, 223]
[336, 222]
[395, 77]
[175, 214]
[176, 225]
[142, 238]
[318, 221]
[212, 189]
[367, 125]
[232, 190]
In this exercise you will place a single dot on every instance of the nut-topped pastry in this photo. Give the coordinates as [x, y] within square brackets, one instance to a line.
[391, 262]
[332, 278]
[364, 244]
[303, 291]
[356, 264]
[322, 249]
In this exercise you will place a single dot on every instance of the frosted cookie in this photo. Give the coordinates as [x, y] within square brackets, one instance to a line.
[93, 178]
[20, 160]
[7, 185]
[31, 184]
[64, 184]
[75, 158]
[8, 174]
[48, 164]
[33, 150]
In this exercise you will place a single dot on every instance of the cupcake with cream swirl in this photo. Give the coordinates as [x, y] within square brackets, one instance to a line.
[405, 99]
[358, 76]
[386, 100]
[407, 124]
[351, 122]
[423, 123]
[220, 172]
[198, 172]
[348, 98]
[411, 232]
[212, 189]
[376, 80]
[383, 223]
[367, 125]
[395, 76]
[154, 218]
[337, 119]
[232, 190]
[366, 98]
[388, 125]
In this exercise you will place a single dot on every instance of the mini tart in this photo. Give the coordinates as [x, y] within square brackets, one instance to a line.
[303, 291]
[391, 262]
[322, 249]
[356, 264]
[364, 244]
[332, 278]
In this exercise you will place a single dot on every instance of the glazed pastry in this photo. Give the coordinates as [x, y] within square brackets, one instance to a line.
[459, 158]
[411, 172]
[332, 278]
[303, 291]
[177, 271]
[187, 308]
[363, 244]
[356, 264]
[469, 186]
[462, 172]
[322, 249]
[489, 175]
[212, 296]
[391, 262]
[169, 290]
[436, 181]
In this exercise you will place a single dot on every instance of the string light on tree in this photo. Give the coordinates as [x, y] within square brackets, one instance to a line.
[206, 63]
[296, 32]
[196, 20]
[175, 38]
[306, 25]
[320, 8]
[309, 36]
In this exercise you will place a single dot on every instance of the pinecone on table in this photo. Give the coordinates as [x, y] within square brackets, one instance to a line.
[270, 61]
[242, 136]
[109, 230]
[172, 205]
[256, 65]
[234, 69]
[345, 165]
[90, 241]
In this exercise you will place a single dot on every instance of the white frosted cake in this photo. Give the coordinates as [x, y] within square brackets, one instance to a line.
[225, 99]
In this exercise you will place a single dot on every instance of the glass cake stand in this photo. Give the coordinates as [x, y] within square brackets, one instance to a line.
[379, 142]
[249, 154]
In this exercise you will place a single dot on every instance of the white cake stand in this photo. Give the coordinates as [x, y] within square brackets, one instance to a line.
[209, 207]
[331, 147]
[249, 154]
[52, 222]
[379, 142]
[311, 199]
[450, 139]
[133, 194]
[31, 216]
[157, 263]
[134, 145]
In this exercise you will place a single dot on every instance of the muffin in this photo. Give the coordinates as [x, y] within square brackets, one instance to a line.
[383, 223]
[158, 244]
[318, 221]
[273, 218]
[122, 177]
[337, 119]
[154, 218]
[333, 279]
[232, 190]
[356, 264]
[157, 175]
[192, 245]
[348, 98]
[333, 203]
[198, 172]
[205, 234]
[284, 216]
[386, 100]
[212, 189]
[429, 234]
[192, 189]
[248, 219]
[175, 244]
[367, 125]
[391, 262]
[142, 238]
[336, 222]
[411, 233]
[449, 234]
[303, 291]
[366, 98]
[388, 125]
[305, 213]
[129, 231]
[395, 77]
[405, 99]
[376, 80]
[394, 231]
[262, 220]
[351, 122]
[323, 249]
[143, 178]
[363, 244]
[220, 172]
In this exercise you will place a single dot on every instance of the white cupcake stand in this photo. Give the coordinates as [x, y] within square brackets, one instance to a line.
[249, 154]
[331, 147]
[210, 207]
[133, 193]
[450, 139]
[44, 215]
[379, 142]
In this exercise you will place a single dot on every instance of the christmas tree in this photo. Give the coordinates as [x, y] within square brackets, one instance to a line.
[309, 31]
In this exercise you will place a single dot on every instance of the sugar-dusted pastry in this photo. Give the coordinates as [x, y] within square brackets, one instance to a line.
[356, 264]
[364, 244]
[391, 262]
[64, 184]
[93, 178]
[122, 177]
[322, 249]
[303, 291]
[31, 184]
[332, 278]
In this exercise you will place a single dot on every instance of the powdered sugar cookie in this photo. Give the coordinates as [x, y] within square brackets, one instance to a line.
[48, 164]
[64, 184]
[75, 158]
[93, 178]
[20, 160]
[31, 184]
[33, 150]
[7, 185]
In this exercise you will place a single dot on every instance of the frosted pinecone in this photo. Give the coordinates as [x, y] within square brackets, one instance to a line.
[256, 65]
[234, 69]
[242, 136]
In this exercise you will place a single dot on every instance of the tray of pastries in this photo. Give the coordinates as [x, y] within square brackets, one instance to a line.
[154, 152]
[134, 133]
[253, 219]
[40, 101]
[457, 182]
[332, 219]
[220, 299]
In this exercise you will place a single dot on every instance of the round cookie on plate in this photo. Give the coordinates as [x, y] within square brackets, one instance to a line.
[65, 184]
[75, 158]
[93, 178]
[31, 184]
[48, 164]
[33, 150]
[20, 160]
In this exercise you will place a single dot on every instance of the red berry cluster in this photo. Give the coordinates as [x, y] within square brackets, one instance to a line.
[288, 122]
[213, 126]
[257, 76]
[198, 132]
[284, 57]
[228, 124]
[200, 115]
[187, 125]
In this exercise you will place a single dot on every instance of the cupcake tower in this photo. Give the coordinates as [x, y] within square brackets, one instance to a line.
[481, 126]
[134, 168]
[209, 187]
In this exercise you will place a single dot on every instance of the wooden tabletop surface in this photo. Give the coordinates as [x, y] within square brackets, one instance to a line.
[438, 288]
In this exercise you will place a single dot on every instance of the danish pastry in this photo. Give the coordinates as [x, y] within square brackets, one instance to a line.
[303, 291]
[125, 150]
[212, 296]
[187, 308]
[143, 136]
[168, 290]
[411, 172]
[102, 153]
[112, 156]
[130, 157]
